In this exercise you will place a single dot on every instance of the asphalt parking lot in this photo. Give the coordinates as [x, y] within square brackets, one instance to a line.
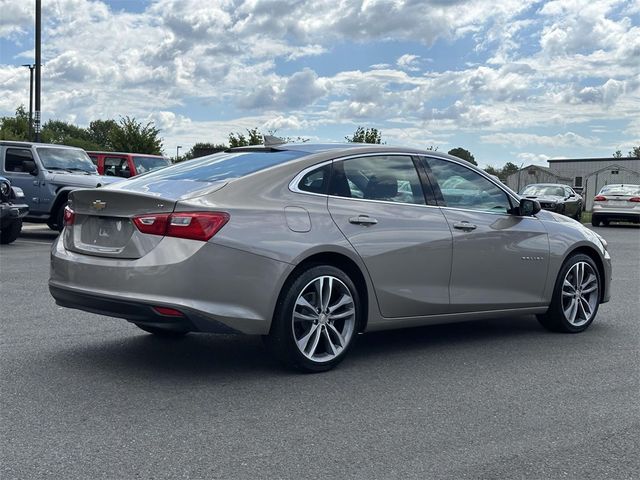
[84, 396]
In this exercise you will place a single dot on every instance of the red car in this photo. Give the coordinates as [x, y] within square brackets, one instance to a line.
[126, 165]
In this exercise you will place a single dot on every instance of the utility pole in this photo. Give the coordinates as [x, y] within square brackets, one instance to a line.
[31, 68]
[178, 153]
[38, 64]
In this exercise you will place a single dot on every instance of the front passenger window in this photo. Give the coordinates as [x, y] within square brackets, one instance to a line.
[463, 188]
[15, 158]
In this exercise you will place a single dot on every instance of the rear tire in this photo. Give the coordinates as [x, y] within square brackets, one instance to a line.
[56, 222]
[576, 296]
[162, 332]
[594, 221]
[316, 320]
[11, 231]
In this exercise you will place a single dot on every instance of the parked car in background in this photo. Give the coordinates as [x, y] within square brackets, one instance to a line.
[47, 173]
[616, 202]
[556, 197]
[12, 210]
[125, 165]
[308, 245]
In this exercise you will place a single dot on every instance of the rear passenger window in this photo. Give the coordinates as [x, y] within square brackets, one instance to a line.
[316, 181]
[390, 178]
[14, 159]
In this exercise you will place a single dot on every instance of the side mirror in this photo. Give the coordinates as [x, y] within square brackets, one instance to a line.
[29, 166]
[528, 207]
[572, 195]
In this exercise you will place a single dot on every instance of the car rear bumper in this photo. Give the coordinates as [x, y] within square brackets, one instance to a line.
[217, 288]
[616, 215]
[137, 312]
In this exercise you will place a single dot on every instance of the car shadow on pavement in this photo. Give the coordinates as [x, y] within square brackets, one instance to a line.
[201, 355]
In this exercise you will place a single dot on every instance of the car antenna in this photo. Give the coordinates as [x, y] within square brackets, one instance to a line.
[271, 141]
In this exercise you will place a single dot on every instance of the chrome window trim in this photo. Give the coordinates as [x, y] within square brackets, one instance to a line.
[293, 185]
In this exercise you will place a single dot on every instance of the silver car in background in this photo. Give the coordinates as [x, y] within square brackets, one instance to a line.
[616, 202]
[309, 245]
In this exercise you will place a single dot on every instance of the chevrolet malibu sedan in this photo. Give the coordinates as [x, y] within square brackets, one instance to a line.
[310, 245]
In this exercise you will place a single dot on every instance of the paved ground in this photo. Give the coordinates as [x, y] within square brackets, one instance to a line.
[84, 396]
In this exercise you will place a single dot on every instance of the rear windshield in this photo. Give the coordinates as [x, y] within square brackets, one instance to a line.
[146, 164]
[220, 166]
[621, 189]
[544, 190]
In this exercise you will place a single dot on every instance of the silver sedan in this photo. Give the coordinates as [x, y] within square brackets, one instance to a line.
[309, 245]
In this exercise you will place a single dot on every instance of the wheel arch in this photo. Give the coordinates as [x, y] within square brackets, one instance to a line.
[344, 263]
[62, 195]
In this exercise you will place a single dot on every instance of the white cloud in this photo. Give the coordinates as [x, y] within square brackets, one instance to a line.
[408, 62]
[568, 139]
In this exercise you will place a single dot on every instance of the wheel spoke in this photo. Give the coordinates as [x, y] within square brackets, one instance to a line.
[329, 342]
[327, 295]
[337, 334]
[344, 300]
[572, 310]
[303, 302]
[304, 341]
[569, 285]
[586, 308]
[307, 318]
[314, 343]
[339, 316]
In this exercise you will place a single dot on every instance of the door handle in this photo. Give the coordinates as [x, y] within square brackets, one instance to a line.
[466, 226]
[363, 220]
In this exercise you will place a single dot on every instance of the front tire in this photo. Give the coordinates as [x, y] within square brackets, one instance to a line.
[316, 320]
[576, 296]
[11, 231]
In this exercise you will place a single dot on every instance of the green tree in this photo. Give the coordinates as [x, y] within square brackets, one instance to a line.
[493, 171]
[253, 137]
[617, 154]
[17, 127]
[635, 152]
[100, 132]
[365, 135]
[463, 154]
[508, 169]
[65, 133]
[201, 149]
[432, 148]
[132, 136]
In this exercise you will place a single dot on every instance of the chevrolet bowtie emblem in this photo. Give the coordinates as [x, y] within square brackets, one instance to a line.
[99, 205]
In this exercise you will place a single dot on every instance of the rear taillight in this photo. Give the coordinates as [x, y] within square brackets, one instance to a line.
[192, 225]
[635, 199]
[600, 198]
[69, 216]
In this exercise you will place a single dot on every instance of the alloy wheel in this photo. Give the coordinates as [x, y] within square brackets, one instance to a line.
[324, 318]
[580, 294]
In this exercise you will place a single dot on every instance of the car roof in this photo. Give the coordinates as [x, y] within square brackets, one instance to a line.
[17, 143]
[97, 152]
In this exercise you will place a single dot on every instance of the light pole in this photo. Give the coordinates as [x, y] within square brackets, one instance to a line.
[38, 63]
[178, 152]
[31, 68]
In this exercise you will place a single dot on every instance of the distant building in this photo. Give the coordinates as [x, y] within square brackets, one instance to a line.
[534, 174]
[585, 175]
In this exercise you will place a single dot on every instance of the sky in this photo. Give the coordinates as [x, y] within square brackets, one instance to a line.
[509, 80]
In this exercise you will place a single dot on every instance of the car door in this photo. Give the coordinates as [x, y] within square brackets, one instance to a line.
[500, 260]
[378, 203]
[16, 171]
[571, 202]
